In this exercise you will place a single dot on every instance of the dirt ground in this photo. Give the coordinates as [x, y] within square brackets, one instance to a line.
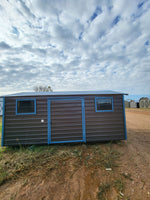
[75, 181]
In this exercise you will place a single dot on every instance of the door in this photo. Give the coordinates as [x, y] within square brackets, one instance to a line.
[66, 120]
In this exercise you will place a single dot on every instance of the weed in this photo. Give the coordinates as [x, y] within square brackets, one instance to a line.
[77, 153]
[119, 185]
[3, 175]
[52, 150]
[110, 157]
[127, 176]
[86, 160]
[25, 182]
[104, 188]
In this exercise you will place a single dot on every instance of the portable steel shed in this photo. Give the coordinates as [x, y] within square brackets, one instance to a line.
[63, 117]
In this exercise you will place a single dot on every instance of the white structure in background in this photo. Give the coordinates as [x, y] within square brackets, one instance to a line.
[133, 104]
[1, 106]
[144, 102]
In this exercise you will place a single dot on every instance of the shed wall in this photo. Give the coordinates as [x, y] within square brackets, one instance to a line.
[25, 129]
[104, 125]
[28, 129]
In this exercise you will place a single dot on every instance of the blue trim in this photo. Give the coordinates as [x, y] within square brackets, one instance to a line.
[103, 110]
[83, 121]
[124, 117]
[26, 100]
[69, 141]
[49, 119]
[3, 121]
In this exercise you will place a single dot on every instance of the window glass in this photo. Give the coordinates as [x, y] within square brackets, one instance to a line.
[25, 106]
[104, 103]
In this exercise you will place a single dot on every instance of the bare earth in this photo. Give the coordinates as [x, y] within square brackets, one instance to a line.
[72, 182]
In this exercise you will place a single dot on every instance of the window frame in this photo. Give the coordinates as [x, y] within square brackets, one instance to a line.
[96, 98]
[31, 113]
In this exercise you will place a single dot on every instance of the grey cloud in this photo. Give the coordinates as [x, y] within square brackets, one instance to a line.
[4, 45]
[26, 9]
[49, 50]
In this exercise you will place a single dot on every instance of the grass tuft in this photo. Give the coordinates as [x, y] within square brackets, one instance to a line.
[3, 175]
[104, 188]
[119, 185]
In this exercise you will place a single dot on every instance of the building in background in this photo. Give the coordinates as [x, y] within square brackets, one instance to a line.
[133, 104]
[144, 102]
[127, 104]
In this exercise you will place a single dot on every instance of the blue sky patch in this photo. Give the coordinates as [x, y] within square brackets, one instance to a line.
[147, 43]
[80, 36]
[140, 4]
[15, 31]
[116, 20]
[97, 12]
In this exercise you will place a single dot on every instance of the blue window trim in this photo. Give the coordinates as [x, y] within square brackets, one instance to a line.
[49, 119]
[33, 113]
[103, 110]
[125, 129]
[3, 121]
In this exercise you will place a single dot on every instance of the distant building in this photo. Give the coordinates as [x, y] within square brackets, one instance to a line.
[127, 104]
[133, 104]
[144, 102]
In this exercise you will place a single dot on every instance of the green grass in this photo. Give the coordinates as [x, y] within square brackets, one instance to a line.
[104, 188]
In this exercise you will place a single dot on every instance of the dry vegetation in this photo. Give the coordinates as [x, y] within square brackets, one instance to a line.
[73, 172]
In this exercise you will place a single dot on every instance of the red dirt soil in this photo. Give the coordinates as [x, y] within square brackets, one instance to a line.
[78, 182]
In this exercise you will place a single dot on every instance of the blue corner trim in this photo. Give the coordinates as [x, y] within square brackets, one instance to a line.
[49, 119]
[125, 128]
[33, 113]
[3, 121]
[83, 121]
[49, 122]
[103, 110]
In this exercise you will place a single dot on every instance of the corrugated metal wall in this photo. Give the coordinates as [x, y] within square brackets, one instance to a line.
[66, 121]
[104, 125]
[25, 129]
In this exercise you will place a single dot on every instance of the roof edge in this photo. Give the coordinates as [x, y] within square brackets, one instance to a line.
[94, 92]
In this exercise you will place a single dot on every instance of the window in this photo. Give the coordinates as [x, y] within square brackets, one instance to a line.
[25, 106]
[103, 104]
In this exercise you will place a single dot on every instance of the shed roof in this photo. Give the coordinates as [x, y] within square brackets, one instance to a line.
[62, 93]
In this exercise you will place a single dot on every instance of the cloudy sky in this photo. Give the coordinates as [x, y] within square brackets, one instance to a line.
[75, 45]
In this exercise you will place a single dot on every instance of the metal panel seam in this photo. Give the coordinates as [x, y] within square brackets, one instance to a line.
[3, 121]
[124, 117]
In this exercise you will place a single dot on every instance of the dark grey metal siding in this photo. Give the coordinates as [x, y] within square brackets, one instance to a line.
[25, 129]
[104, 125]
[66, 119]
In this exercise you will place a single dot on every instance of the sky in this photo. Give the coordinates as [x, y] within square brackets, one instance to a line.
[75, 45]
